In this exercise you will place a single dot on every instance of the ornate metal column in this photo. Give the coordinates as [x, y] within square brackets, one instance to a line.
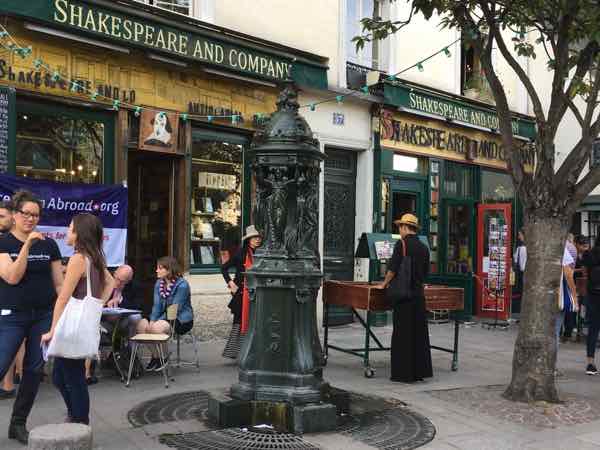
[281, 361]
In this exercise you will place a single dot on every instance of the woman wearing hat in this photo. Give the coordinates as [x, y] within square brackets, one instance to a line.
[240, 299]
[410, 355]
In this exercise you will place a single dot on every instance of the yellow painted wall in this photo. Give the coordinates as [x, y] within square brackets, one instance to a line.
[156, 84]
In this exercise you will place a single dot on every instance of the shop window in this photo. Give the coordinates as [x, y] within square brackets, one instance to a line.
[370, 55]
[496, 187]
[458, 180]
[59, 148]
[459, 258]
[434, 189]
[216, 202]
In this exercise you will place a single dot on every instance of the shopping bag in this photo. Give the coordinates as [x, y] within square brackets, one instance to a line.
[400, 289]
[77, 333]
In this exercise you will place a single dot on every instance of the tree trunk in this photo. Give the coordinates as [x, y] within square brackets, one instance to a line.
[534, 358]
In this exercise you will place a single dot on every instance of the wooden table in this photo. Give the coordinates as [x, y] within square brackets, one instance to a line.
[366, 297]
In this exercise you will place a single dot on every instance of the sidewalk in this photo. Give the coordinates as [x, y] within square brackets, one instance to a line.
[464, 406]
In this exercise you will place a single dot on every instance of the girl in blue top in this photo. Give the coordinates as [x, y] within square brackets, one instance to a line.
[170, 288]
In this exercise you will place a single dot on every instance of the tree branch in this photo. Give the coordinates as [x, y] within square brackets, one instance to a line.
[514, 64]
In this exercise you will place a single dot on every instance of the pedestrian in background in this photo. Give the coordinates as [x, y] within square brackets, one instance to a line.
[241, 261]
[13, 376]
[86, 236]
[30, 278]
[519, 263]
[567, 295]
[591, 262]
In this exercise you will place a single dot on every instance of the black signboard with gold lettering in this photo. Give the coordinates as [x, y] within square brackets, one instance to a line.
[7, 127]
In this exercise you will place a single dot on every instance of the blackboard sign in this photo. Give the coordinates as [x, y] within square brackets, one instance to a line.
[7, 126]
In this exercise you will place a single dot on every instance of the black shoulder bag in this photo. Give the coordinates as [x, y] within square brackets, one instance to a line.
[400, 289]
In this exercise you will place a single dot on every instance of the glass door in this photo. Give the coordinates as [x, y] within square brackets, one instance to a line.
[493, 260]
[458, 237]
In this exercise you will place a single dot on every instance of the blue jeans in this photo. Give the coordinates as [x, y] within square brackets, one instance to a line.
[69, 377]
[15, 327]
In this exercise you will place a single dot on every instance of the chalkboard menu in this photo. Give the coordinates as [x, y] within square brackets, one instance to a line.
[7, 125]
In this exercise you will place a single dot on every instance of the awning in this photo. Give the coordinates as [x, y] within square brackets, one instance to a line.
[590, 203]
[448, 107]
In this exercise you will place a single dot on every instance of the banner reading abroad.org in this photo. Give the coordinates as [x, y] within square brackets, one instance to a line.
[61, 201]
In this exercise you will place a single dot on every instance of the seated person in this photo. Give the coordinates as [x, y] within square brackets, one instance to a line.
[170, 288]
[125, 295]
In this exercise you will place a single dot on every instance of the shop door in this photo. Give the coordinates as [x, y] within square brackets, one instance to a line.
[405, 196]
[493, 260]
[340, 211]
[151, 196]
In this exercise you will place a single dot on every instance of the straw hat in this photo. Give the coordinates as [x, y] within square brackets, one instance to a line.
[251, 232]
[408, 219]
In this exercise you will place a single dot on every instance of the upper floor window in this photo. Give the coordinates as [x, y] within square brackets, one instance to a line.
[474, 82]
[199, 9]
[369, 56]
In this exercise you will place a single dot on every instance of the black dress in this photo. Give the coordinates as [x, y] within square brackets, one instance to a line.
[411, 355]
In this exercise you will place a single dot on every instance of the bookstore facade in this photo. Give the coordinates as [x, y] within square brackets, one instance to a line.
[452, 174]
[172, 126]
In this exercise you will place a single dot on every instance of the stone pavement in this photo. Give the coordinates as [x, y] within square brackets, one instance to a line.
[464, 406]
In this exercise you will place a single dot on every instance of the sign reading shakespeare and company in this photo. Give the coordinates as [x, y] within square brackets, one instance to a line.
[429, 137]
[448, 108]
[99, 21]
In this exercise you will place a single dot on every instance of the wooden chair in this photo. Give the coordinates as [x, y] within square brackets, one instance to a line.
[159, 342]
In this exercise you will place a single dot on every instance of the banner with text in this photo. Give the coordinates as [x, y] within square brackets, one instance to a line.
[61, 201]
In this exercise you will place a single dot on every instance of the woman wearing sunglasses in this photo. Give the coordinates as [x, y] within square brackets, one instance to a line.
[30, 279]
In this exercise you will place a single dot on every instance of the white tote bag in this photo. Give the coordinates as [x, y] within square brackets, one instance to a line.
[77, 333]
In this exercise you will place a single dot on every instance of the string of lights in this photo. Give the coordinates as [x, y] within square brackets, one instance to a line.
[78, 87]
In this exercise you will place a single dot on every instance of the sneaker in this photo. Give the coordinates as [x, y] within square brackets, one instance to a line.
[153, 364]
[591, 369]
[4, 394]
[160, 366]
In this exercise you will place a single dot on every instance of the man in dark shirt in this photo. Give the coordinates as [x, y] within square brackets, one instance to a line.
[410, 353]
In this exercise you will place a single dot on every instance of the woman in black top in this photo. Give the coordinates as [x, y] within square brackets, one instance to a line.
[410, 354]
[30, 278]
[251, 241]
[85, 235]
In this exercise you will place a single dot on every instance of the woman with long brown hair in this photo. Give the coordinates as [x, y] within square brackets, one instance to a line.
[86, 236]
[170, 289]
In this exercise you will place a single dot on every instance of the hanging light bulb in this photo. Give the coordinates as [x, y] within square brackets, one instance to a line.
[313, 107]
[209, 118]
[447, 52]
[420, 67]
[138, 111]
[116, 105]
[339, 98]
[94, 96]
[184, 117]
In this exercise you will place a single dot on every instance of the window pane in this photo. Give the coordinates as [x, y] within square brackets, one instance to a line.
[405, 163]
[59, 148]
[216, 201]
[180, 6]
[496, 187]
[459, 232]
[352, 29]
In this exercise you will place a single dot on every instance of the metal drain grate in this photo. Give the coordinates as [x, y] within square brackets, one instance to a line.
[236, 439]
[170, 408]
[393, 429]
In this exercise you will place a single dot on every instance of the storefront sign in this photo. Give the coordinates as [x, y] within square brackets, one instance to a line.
[61, 201]
[130, 29]
[217, 181]
[434, 139]
[37, 80]
[7, 125]
[447, 108]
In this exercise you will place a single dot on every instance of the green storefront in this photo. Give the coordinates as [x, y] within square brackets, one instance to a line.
[440, 158]
[131, 62]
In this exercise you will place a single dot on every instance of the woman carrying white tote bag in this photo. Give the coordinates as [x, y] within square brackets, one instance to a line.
[75, 330]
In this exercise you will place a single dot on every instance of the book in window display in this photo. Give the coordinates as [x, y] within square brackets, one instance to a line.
[208, 205]
[207, 255]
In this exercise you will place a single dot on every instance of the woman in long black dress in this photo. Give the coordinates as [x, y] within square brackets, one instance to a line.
[410, 355]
